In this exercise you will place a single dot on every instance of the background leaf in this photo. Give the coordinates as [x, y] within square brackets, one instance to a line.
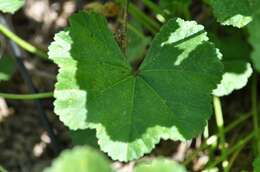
[80, 159]
[254, 39]
[7, 67]
[233, 12]
[256, 165]
[236, 63]
[2, 169]
[10, 6]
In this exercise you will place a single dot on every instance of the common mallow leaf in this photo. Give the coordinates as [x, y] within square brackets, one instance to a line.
[237, 13]
[10, 6]
[80, 159]
[167, 97]
[235, 57]
[159, 165]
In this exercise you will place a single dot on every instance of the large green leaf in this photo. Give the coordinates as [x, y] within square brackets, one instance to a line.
[237, 13]
[256, 165]
[80, 159]
[10, 6]
[160, 165]
[168, 97]
[254, 40]
[6, 67]
[236, 63]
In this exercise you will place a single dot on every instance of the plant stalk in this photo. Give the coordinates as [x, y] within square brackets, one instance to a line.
[124, 26]
[22, 43]
[26, 96]
[255, 111]
[220, 125]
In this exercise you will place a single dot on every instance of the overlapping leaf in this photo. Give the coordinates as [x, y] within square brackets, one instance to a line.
[10, 6]
[236, 64]
[233, 12]
[168, 97]
[80, 159]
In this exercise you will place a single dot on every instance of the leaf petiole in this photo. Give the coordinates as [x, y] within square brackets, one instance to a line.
[26, 96]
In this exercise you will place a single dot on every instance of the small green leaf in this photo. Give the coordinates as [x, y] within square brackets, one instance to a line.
[10, 6]
[160, 165]
[168, 97]
[254, 39]
[80, 159]
[236, 64]
[256, 165]
[237, 13]
[6, 68]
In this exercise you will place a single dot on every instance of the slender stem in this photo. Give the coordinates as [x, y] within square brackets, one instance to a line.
[26, 96]
[220, 124]
[241, 119]
[154, 7]
[22, 43]
[255, 111]
[239, 145]
[139, 15]
[124, 25]
[133, 29]
[233, 158]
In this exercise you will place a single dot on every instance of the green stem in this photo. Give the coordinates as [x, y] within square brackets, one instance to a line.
[233, 158]
[124, 25]
[242, 118]
[150, 24]
[255, 111]
[240, 145]
[154, 7]
[26, 96]
[22, 43]
[220, 124]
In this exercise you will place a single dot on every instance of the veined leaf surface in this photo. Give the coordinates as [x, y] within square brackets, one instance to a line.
[168, 97]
